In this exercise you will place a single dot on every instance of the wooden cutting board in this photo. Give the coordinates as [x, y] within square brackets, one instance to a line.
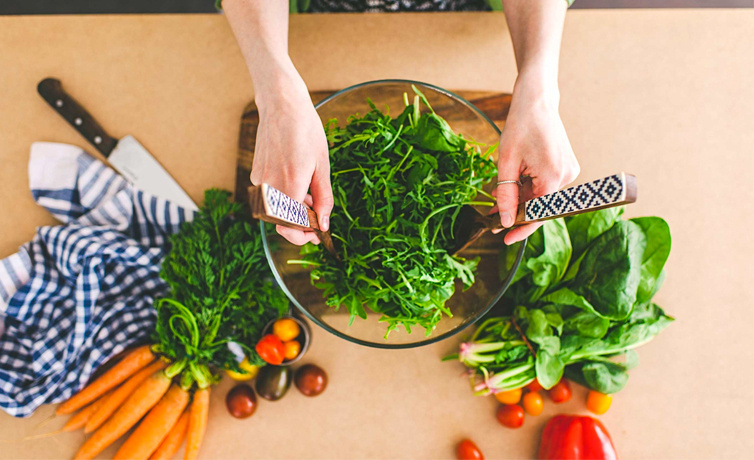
[494, 105]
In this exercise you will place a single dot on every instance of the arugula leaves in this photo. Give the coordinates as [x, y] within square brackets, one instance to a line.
[584, 291]
[221, 292]
[398, 185]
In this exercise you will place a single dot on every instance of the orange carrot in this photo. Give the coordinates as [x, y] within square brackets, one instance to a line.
[173, 440]
[80, 419]
[128, 366]
[120, 394]
[138, 404]
[147, 437]
[197, 423]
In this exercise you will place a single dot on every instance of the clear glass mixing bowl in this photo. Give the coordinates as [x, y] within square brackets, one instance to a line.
[493, 274]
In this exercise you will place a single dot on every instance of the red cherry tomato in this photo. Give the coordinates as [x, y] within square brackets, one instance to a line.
[467, 450]
[270, 348]
[534, 385]
[511, 415]
[561, 392]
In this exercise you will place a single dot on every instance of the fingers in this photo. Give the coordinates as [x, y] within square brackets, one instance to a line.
[507, 194]
[297, 237]
[322, 195]
[519, 233]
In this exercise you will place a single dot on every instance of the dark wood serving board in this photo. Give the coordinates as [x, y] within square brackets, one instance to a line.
[494, 105]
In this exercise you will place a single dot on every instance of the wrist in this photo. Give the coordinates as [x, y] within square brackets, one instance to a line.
[537, 89]
[280, 83]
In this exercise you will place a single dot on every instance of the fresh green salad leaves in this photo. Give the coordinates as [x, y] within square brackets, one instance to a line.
[221, 291]
[398, 184]
[584, 293]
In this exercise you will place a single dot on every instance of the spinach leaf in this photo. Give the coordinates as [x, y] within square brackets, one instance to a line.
[585, 228]
[587, 324]
[549, 369]
[654, 257]
[545, 262]
[610, 273]
[603, 376]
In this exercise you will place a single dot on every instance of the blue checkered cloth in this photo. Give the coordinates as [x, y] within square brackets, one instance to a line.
[81, 292]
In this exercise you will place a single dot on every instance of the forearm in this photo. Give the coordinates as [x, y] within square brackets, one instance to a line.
[536, 27]
[261, 29]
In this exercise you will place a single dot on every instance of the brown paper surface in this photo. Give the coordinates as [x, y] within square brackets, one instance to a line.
[665, 95]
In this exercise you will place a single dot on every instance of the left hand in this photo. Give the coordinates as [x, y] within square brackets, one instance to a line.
[534, 147]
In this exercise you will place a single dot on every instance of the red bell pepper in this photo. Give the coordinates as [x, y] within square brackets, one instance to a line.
[575, 437]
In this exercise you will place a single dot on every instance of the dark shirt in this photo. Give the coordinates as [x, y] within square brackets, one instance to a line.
[332, 6]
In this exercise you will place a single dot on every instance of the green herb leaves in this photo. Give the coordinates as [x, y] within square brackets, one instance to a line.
[398, 185]
[221, 291]
[584, 292]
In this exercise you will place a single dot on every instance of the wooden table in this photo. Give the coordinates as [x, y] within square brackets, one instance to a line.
[666, 95]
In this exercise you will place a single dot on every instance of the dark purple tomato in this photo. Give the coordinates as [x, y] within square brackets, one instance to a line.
[310, 380]
[241, 401]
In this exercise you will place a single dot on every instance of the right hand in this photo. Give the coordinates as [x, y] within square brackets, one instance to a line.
[291, 154]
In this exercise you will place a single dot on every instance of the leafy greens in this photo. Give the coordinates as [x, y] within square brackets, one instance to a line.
[220, 292]
[583, 296]
[399, 184]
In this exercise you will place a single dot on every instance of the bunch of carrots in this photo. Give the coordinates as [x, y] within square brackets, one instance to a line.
[221, 296]
[138, 388]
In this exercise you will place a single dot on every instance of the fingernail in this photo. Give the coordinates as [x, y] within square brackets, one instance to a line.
[325, 223]
[506, 219]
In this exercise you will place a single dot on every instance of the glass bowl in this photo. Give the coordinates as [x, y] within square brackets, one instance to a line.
[493, 274]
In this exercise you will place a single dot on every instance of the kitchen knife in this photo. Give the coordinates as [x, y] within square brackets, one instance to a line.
[126, 155]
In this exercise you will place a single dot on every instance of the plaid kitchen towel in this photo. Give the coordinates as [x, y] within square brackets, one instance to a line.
[80, 292]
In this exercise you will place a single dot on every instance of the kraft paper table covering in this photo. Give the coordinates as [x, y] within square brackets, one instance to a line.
[666, 95]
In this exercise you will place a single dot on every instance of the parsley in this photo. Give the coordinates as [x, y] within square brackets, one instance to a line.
[398, 184]
[221, 292]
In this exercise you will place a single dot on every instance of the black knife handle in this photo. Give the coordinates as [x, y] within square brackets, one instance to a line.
[52, 91]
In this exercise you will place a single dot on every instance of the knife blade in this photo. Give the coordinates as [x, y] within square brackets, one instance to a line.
[127, 155]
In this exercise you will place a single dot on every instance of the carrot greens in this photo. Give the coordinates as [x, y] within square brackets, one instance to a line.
[221, 292]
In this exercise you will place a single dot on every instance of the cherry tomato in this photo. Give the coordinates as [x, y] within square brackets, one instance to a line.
[534, 385]
[509, 397]
[598, 403]
[561, 392]
[286, 329]
[241, 401]
[310, 380]
[270, 349]
[291, 349]
[511, 415]
[467, 450]
[533, 403]
[251, 371]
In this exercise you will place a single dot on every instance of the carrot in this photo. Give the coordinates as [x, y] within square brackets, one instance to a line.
[119, 395]
[126, 417]
[173, 440]
[80, 419]
[197, 423]
[129, 365]
[155, 426]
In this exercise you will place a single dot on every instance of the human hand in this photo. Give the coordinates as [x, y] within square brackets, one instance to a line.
[291, 154]
[534, 148]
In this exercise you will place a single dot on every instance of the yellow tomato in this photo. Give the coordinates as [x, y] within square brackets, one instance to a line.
[291, 349]
[533, 403]
[286, 329]
[251, 371]
[598, 403]
[509, 397]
